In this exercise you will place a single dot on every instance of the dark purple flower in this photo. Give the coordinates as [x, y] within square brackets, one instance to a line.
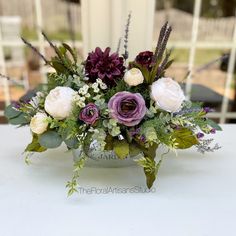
[143, 139]
[107, 67]
[144, 58]
[89, 114]
[127, 108]
[177, 127]
[207, 109]
[200, 135]
[16, 105]
[134, 131]
[213, 131]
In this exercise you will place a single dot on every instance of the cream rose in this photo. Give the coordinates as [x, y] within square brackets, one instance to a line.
[133, 77]
[167, 94]
[39, 123]
[58, 102]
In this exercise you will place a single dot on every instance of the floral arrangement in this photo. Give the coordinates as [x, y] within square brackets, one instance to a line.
[128, 107]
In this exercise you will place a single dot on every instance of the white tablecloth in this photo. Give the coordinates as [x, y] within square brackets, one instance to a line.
[195, 194]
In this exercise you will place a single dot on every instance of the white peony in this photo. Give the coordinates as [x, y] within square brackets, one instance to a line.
[167, 94]
[133, 77]
[39, 123]
[58, 102]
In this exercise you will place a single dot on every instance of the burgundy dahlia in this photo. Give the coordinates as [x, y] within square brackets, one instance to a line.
[107, 67]
[144, 58]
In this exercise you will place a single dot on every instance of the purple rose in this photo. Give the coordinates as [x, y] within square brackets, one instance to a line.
[89, 114]
[127, 108]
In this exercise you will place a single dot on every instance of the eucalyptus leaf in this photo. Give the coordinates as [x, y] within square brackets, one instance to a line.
[214, 125]
[11, 112]
[19, 120]
[121, 148]
[50, 139]
[72, 143]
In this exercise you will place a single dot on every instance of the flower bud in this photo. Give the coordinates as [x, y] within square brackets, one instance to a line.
[133, 77]
[39, 123]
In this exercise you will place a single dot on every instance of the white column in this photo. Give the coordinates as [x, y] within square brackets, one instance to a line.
[103, 23]
[229, 79]
[39, 22]
[4, 72]
[196, 16]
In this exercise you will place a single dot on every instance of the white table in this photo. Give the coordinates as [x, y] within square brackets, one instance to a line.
[195, 195]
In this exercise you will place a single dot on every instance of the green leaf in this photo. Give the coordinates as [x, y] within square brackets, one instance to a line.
[151, 175]
[109, 142]
[150, 178]
[59, 52]
[150, 168]
[134, 150]
[72, 52]
[121, 148]
[151, 150]
[154, 71]
[78, 165]
[11, 112]
[72, 143]
[58, 66]
[19, 120]
[34, 146]
[50, 139]
[168, 64]
[62, 49]
[149, 165]
[214, 125]
[184, 138]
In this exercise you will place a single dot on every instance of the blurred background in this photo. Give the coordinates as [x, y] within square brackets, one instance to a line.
[203, 42]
